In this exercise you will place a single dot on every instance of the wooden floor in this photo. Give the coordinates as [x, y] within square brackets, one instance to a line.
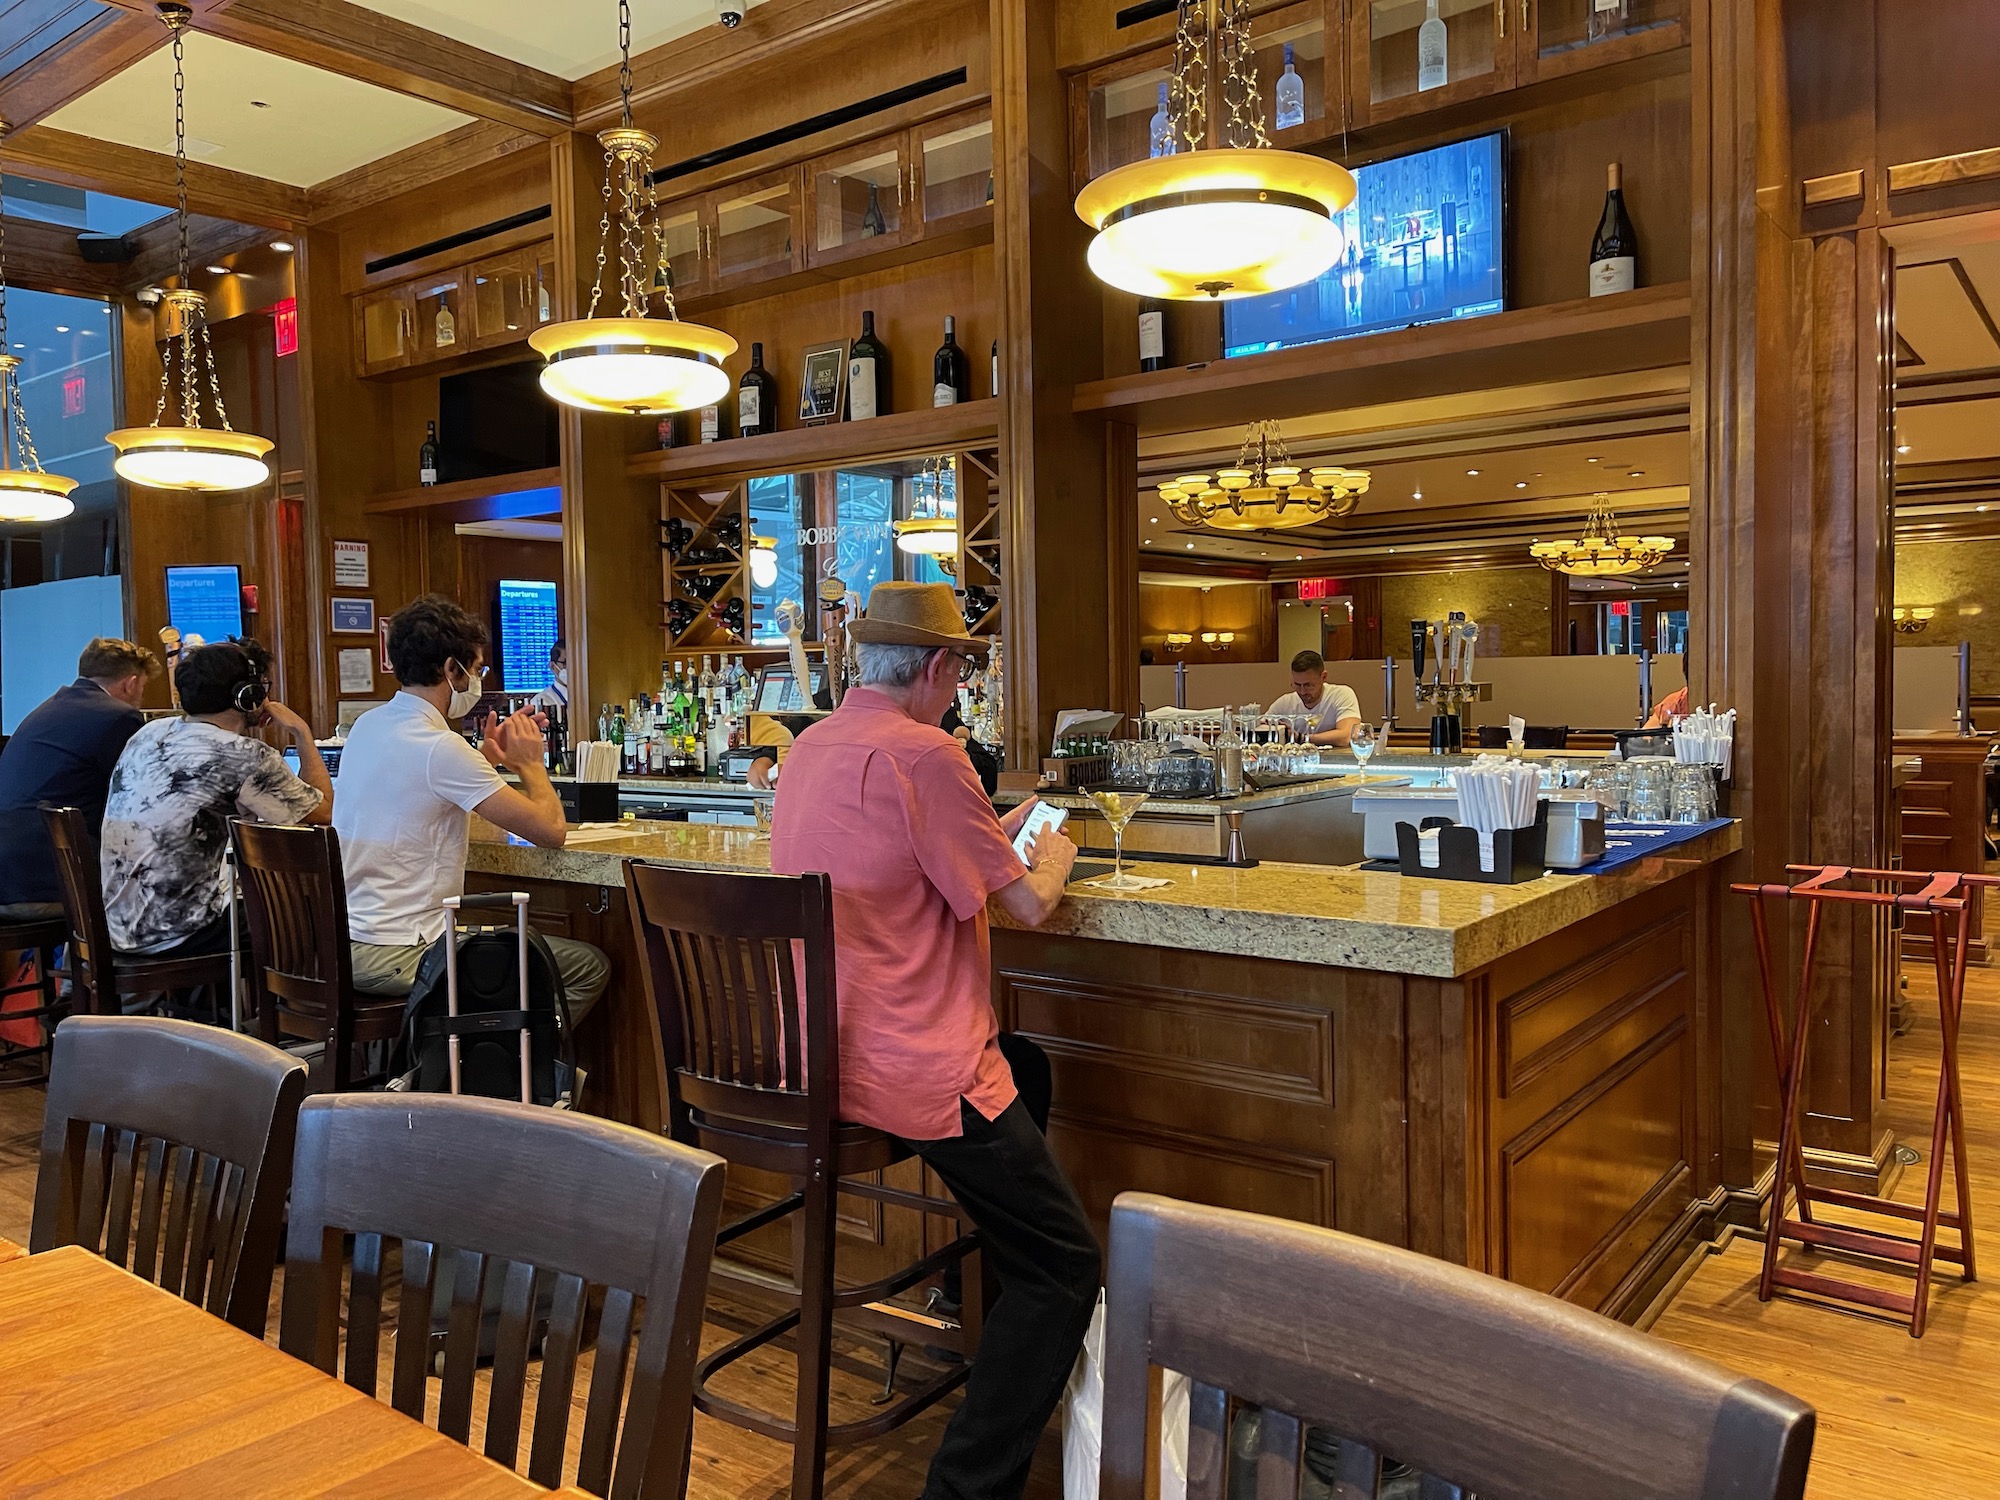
[1898, 1416]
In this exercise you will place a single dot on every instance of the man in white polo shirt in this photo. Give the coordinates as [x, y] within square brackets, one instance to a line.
[408, 782]
[1325, 712]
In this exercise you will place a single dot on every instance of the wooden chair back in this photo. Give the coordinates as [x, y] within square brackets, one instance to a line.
[542, 1204]
[189, 1125]
[739, 968]
[1485, 1387]
[92, 971]
[295, 906]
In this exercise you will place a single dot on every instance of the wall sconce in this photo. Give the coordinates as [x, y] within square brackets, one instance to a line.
[1178, 641]
[1208, 637]
[1911, 621]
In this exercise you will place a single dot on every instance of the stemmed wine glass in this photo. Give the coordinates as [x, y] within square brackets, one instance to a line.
[1118, 804]
[1362, 743]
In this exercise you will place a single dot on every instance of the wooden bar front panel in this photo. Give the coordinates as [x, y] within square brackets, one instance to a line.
[1943, 822]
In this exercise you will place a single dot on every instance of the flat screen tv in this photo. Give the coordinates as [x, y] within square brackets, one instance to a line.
[206, 601]
[529, 624]
[495, 421]
[1425, 241]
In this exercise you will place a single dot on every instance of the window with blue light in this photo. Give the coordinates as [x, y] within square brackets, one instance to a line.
[69, 386]
[774, 513]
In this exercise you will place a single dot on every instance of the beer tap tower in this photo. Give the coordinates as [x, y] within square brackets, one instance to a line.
[1449, 644]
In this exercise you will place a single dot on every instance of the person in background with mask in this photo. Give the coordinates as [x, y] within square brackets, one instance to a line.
[556, 694]
[409, 780]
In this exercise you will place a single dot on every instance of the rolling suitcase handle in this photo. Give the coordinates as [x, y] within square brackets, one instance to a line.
[453, 905]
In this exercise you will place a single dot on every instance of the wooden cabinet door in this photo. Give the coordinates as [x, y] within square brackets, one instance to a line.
[444, 321]
[1303, 105]
[860, 200]
[502, 292]
[385, 334]
[1557, 37]
[1116, 110]
[686, 226]
[951, 161]
[1387, 37]
[753, 229]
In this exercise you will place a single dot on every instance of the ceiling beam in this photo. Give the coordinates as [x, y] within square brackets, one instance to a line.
[45, 258]
[443, 156]
[355, 42]
[156, 248]
[107, 43]
[106, 167]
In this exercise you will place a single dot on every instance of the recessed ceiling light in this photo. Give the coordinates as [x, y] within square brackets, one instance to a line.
[1902, 447]
[218, 270]
[1636, 474]
[283, 247]
[1471, 473]
[1416, 494]
[1392, 550]
[1190, 546]
[1520, 484]
[1593, 460]
[260, 104]
[1980, 508]
[62, 328]
[1299, 557]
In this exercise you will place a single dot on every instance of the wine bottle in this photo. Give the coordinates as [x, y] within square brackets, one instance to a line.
[1614, 248]
[1152, 334]
[666, 431]
[427, 456]
[1162, 127]
[996, 367]
[1608, 18]
[872, 222]
[1291, 94]
[711, 424]
[756, 398]
[951, 372]
[1432, 73]
[867, 374]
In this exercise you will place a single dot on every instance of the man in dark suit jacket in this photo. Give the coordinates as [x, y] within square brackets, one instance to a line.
[61, 756]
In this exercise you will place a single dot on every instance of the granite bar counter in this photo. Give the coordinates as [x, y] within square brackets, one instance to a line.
[1519, 1078]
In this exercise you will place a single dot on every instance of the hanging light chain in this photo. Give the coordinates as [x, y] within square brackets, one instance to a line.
[1241, 98]
[625, 63]
[1187, 96]
[4, 345]
[177, 20]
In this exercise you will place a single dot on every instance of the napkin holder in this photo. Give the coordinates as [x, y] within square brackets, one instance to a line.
[1518, 853]
[587, 801]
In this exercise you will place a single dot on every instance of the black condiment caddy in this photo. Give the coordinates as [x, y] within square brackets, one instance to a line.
[1518, 853]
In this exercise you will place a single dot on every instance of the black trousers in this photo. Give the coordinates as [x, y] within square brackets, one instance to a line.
[1045, 1258]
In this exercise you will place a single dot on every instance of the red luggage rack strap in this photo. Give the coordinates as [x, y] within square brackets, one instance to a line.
[1942, 893]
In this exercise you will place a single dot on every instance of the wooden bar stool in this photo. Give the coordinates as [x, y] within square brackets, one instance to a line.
[42, 938]
[1944, 895]
[740, 969]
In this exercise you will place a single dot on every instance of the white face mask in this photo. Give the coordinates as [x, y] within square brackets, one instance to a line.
[463, 700]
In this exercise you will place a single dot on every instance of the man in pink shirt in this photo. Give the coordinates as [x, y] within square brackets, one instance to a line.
[888, 804]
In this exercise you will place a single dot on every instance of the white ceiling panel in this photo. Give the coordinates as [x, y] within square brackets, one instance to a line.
[254, 113]
[570, 38]
[1939, 320]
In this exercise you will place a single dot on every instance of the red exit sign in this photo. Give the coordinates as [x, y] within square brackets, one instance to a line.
[1621, 608]
[285, 325]
[1318, 588]
[73, 394]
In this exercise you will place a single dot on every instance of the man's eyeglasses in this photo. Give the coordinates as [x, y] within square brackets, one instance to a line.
[969, 666]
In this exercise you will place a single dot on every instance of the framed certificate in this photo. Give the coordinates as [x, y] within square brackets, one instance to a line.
[823, 383]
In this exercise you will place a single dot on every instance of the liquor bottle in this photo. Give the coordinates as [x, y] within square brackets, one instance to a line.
[872, 222]
[1431, 70]
[1291, 94]
[1152, 334]
[711, 424]
[447, 325]
[951, 372]
[1608, 18]
[1614, 248]
[1162, 128]
[707, 687]
[542, 308]
[427, 456]
[631, 732]
[867, 374]
[996, 367]
[756, 398]
[604, 722]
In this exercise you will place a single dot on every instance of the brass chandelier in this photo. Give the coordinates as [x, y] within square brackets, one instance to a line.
[1220, 215]
[28, 492]
[1601, 552]
[931, 528]
[188, 456]
[1266, 491]
[633, 362]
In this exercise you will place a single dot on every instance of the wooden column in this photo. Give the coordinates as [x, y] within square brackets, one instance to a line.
[1791, 577]
[611, 523]
[1060, 531]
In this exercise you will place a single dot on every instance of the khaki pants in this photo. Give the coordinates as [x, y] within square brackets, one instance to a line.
[386, 970]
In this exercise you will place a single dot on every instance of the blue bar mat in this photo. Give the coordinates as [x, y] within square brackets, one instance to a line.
[1626, 842]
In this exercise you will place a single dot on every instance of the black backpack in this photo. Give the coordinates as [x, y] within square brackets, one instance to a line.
[496, 1003]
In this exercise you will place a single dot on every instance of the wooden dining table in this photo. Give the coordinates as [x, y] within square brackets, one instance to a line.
[111, 1386]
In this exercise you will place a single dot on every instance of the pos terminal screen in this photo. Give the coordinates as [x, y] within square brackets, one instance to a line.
[778, 690]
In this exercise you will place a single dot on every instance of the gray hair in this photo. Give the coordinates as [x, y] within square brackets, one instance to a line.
[877, 665]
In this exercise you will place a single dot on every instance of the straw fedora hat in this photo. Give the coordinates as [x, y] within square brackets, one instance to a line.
[914, 614]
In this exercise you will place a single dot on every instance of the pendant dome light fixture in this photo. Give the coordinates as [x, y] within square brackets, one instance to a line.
[633, 362]
[205, 460]
[931, 528]
[28, 492]
[1219, 218]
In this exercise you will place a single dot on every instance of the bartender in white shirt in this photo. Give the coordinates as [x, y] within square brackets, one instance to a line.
[1326, 712]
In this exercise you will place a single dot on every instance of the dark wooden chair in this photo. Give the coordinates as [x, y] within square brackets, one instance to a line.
[42, 938]
[191, 1126]
[295, 907]
[549, 1207]
[102, 979]
[756, 1063]
[1485, 1387]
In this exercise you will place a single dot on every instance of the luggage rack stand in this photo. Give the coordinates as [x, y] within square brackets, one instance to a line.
[1945, 895]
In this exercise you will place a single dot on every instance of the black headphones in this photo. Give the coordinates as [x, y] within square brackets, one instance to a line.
[252, 692]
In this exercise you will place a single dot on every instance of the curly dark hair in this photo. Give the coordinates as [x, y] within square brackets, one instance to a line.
[428, 632]
[207, 677]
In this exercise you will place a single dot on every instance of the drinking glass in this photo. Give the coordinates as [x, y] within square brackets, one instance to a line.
[1609, 783]
[1118, 804]
[761, 807]
[1693, 794]
[1362, 743]
[1648, 800]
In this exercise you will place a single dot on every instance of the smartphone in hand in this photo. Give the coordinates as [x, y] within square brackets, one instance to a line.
[1043, 817]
